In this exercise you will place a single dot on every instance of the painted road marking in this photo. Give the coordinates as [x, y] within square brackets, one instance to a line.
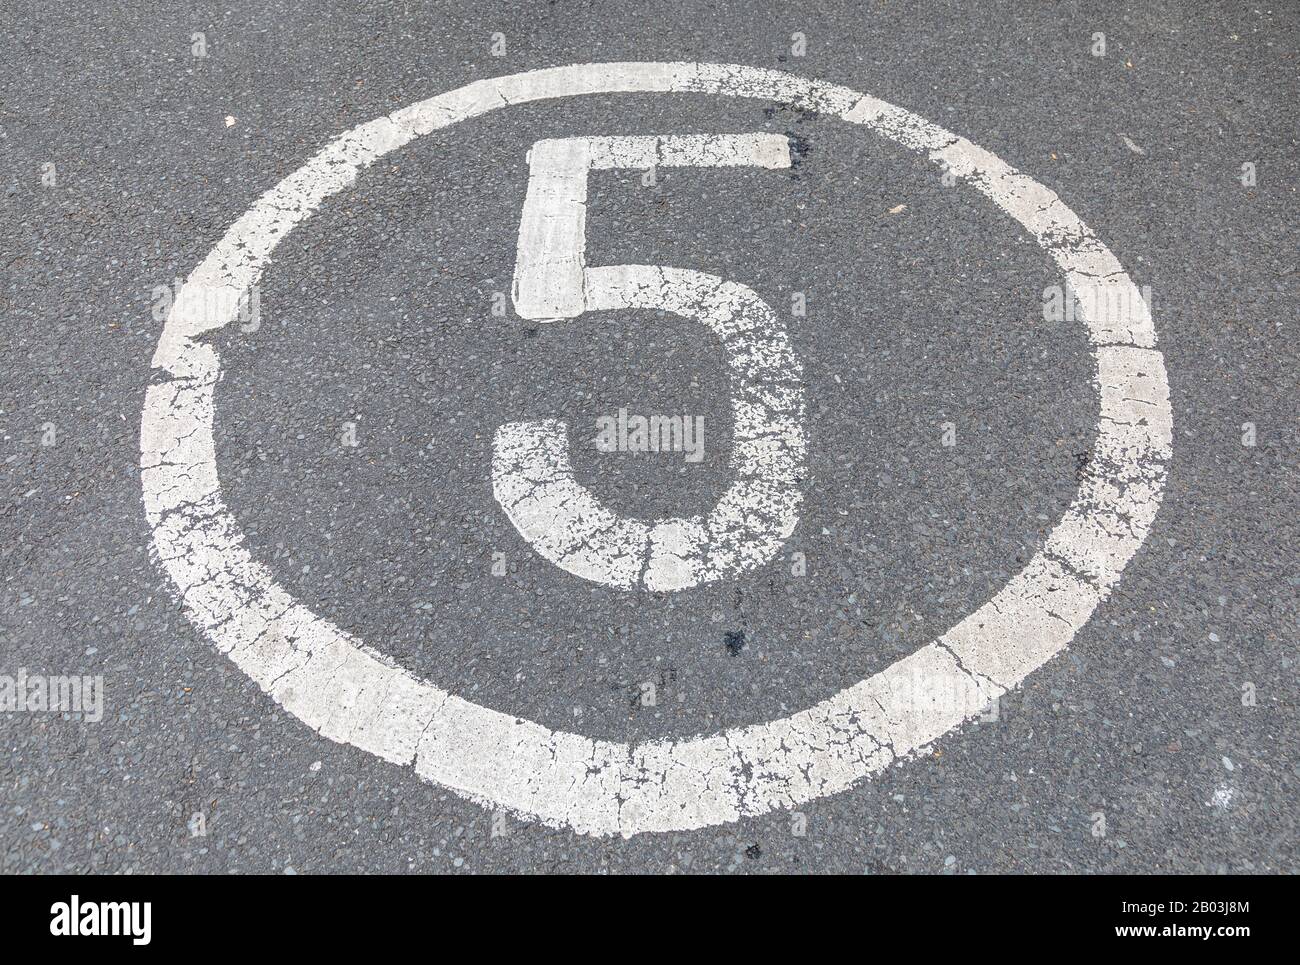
[532, 477]
[354, 694]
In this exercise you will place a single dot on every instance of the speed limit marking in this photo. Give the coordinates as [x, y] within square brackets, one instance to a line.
[354, 694]
[532, 477]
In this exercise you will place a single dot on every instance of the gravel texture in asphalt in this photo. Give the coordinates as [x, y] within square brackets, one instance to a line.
[354, 425]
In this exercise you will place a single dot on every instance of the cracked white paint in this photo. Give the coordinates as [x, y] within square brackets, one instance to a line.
[353, 694]
[550, 282]
[532, 477]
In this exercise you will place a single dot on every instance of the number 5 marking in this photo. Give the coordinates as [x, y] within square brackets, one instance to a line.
[532, 477]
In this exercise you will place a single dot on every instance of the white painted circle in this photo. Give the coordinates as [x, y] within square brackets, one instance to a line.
[353, 694]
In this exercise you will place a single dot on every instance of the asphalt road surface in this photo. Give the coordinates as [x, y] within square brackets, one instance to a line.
[933, 422]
